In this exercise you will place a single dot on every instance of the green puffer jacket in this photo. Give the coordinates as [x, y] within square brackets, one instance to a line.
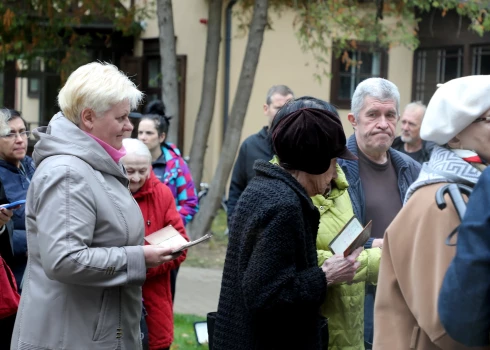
[344, 304]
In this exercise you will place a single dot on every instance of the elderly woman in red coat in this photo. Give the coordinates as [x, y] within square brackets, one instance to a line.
[158, 208]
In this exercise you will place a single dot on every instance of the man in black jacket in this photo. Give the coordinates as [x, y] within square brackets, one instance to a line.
[255, 146]
[409, 142]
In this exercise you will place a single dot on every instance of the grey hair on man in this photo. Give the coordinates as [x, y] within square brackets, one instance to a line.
[282, 90]
[416, 105]
[4, 126]
[137, 148]
[377, 88]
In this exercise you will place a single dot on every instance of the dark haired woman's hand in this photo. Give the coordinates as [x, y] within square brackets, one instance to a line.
[338, 269]
[5, 216]
[155, 255]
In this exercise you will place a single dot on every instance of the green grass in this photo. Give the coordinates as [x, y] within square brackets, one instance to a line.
[210, 254]
[218, 228]
[184, 334]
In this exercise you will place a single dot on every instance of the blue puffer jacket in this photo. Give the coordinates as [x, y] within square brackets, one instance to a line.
[406, 168]
[16, 182]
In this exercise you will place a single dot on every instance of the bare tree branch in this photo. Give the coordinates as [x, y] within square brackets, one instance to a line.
[170, 81]
[202, 221]
[208, 93]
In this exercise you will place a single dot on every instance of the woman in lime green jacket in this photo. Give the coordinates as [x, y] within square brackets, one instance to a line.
[344, 304]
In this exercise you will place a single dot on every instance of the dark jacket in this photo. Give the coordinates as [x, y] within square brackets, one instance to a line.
[406, 168]
[272, 288]
[254, 147]
[427, 147]
[6, 244]
[16, 183]
[464, 304]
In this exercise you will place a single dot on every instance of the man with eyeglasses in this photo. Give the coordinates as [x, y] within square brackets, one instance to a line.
[16, 170]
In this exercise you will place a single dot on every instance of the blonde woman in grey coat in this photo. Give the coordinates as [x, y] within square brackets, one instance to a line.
[86, 265]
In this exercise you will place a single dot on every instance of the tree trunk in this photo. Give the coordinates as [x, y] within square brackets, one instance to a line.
[204, 218]
[168, 56]
[208, 93]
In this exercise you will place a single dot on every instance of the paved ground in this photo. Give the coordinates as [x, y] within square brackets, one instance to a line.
[197, 290]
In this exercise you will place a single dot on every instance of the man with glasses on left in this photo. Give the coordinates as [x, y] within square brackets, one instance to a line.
[16, 170]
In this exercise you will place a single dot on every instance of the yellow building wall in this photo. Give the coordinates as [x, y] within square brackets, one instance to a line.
[191, 41]
[29, 107]
[281, 62]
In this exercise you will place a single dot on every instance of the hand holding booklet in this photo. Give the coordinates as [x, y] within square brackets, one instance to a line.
[351, 237]
[170, 237]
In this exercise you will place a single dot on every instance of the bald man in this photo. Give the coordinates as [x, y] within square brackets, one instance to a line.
[409, 142]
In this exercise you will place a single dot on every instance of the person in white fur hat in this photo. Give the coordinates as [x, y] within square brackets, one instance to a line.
[415, 257]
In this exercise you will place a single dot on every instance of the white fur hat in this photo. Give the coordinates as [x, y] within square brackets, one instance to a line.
[454, 106]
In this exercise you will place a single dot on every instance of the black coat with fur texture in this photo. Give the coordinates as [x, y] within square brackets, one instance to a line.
[272, 288]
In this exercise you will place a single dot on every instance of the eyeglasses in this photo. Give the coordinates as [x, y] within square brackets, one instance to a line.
[13, 135]
[481, 119]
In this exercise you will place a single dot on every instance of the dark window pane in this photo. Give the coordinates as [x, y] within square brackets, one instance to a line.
[154, 76]
[485, 65]
[435, 66]
[452, 52]
[481, 60]
[359, 66]
[452, 68]
[370, 63]
[35, 65]
[347, 83]
[34, 85]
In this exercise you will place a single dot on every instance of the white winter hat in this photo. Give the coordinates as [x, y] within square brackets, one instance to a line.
[454, 106]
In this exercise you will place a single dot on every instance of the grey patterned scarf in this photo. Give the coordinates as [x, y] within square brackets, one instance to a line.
[444, 166]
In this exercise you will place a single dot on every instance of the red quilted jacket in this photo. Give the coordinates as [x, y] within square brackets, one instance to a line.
[158, 207]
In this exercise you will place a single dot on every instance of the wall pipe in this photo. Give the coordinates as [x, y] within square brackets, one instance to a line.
[226, 95]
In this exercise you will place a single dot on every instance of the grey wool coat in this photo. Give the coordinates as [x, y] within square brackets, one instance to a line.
[82, 287]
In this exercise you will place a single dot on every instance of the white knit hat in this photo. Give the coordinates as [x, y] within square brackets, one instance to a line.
[454, 106]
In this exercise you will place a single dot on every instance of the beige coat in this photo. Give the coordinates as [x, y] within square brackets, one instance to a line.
[413, 264]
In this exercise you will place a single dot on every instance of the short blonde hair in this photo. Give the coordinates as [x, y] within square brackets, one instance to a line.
[98, 86]
[136, 147]
[4, 125]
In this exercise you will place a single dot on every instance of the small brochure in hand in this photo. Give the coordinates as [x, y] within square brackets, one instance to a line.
[351, 237]
[170, 237]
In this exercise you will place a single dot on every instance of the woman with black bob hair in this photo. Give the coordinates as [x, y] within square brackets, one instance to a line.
[272, 286]
[168, 165]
